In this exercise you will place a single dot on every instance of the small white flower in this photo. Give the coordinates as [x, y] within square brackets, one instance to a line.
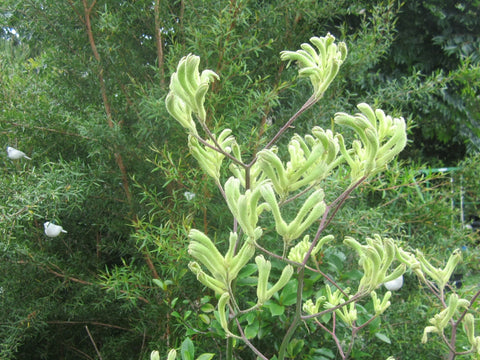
[189, 195]
[52, 230]
[15, 154]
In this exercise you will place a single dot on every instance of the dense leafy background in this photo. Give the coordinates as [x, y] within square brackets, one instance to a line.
[82, 90]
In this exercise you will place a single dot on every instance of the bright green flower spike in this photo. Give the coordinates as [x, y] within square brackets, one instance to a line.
[311, 210]
[223, 269]
[375, 258]
[381, 139]
[311, 160]
[264, 267]
[209, 159]
[320, 65]
[187, 92]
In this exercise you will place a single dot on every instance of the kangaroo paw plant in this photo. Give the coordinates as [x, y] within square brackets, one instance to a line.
[261, 193]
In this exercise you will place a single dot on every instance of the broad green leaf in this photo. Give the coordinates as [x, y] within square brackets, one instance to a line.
[383, 337]
[275, 309]
[251, 330]
[205, 318]
[206, 356]
[187, 349]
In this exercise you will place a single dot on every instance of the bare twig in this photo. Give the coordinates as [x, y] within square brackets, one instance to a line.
[67, 133]
[103, 90]
[96, 323]
[93, 342]
[249, 344]
[159, 42]
[332, 333]
[73, 279]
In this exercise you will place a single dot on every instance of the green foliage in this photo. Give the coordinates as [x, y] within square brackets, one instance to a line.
[267, 179]
[87, 105]
[439, 42]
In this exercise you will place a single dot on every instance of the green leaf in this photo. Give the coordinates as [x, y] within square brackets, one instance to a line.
[175, 314]
[247, 270]
[159, 283]
[251, 330]
[353, 275]
[205, 318]
[325, 353]
[336, 260]
[275, 309]
[288, 295]
[295, 347]
[383, 337]
[326, 317]
[187, 349]
[206, 356]
[174, 302]
[207, 308]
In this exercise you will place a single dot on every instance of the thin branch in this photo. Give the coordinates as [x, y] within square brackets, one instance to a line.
[159, 42]
[79, 14]
[217, 148]
[93, 342]
[103, 90]
[53, 130]
[299, 265]
[80, 352]
[338, 202]
[249, 344]
[296, 318]
[332, 333]
[308, 104]
[96, 323]
[73, 279]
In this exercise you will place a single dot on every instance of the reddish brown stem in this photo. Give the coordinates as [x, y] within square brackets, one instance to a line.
[103, 89]
[159, 42]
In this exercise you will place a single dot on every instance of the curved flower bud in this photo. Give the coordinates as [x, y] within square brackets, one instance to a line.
[380, 306]
[348, 313]
[188, 88]
[172, 354]
[311, 160]
[299, 251]
[382, 138]
[284, 278]
[310, 308]
[223, 269]
[441, 277]
[320, 65]
[222, 312]
[207, 280]
[181, 112]
[335, 298]
[311, 210]
[264, 267]
[376, 258]
[440, 321]
[469, 327]
[210, 160]
[244, 207]
[155, 355]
